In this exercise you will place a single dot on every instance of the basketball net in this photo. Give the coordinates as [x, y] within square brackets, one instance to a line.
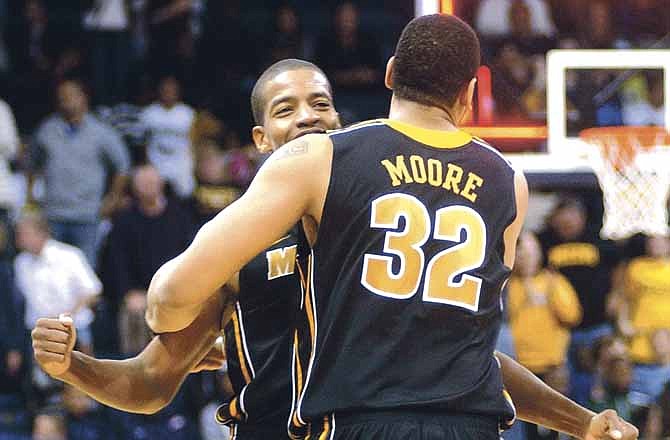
[633, 168]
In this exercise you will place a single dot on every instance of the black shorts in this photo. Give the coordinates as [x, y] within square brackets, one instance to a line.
[254, 432]
[407, 425]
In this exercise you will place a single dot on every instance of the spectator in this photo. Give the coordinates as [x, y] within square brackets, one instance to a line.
[126, 119]
[588, 263]
[513, 75]
[612, 390]
[493, 18]
[74, 150]
[542, 307]
[54, 278]
[599, 29]
[152, 231]
[649, 110]
[169, 123]
[109, 24]
[216, 188]
[644, 316]
[521, 32]
[14, 363]
[31, 42]
[287, 40]
[9, 143]
[350, 57]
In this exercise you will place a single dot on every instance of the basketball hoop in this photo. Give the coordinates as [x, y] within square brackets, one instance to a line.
[633, 168]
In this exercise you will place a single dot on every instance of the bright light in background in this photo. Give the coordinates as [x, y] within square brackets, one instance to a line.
[447, 6]
[425, 7]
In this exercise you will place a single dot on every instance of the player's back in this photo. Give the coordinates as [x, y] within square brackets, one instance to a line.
[259, 338]
[403, 307]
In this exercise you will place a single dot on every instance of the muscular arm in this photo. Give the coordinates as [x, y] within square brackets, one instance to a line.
[148, 382]
[538, 403]
[290, 184]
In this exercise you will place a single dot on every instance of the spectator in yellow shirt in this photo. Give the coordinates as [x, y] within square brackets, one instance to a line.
[644, 316]
[542, 307]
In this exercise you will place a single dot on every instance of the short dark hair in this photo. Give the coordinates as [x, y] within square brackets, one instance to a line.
[258, 101]
[436, 56]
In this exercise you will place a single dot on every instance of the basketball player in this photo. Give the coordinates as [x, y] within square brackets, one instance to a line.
[148, 382]
[290, 99]
[413, 226]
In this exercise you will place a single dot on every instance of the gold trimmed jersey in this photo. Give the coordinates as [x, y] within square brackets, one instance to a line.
[402, 303]
[259, 338]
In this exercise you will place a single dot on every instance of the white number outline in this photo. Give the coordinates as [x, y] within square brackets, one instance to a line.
[418, 247]
[391, 234]
[464, 210]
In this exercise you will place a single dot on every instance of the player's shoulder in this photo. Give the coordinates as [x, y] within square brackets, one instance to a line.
[304, 149]
[492, 152]
[359, 127]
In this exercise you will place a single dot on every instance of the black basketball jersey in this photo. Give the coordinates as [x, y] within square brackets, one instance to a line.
[403, 301]
[259, 337]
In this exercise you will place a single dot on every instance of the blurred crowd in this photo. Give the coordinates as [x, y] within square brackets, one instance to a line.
[124, 126]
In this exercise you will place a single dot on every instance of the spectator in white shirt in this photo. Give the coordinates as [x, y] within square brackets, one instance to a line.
[9, 142]
[169, 124]
[54, 277]
[493, 20]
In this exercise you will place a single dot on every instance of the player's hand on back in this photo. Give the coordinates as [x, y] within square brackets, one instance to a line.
[213, 360]
[53, 342]
[607, 425]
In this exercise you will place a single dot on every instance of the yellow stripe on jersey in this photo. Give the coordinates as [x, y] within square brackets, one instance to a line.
[308, 302]
[233, 409]
[326, 428]
[433, 138]
[303, 280]
[310, 318]
[240, 350]
[299, 381]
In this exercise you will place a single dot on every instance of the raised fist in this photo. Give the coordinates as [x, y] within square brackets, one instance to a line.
[53, 342]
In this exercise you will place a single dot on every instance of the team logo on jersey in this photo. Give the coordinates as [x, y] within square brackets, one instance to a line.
[281, 262]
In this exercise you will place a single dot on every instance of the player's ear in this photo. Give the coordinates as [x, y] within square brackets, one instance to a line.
[260, 139]
[468, 95]
[388, 78]
[465, 100]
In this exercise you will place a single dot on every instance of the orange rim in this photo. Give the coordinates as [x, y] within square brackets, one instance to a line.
[619, 145]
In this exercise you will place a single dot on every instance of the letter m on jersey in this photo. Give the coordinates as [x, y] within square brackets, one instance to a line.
[281, 262]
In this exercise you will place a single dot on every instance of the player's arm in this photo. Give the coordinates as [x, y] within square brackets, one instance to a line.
[538, 403]
[143, 384]
[285, 189]
[535, 401]
[512, 232]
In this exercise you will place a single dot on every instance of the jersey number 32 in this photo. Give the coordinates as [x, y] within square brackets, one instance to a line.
[441, 271]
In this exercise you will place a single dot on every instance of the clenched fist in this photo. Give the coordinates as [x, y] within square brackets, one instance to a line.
[53, 342]
[607, 425]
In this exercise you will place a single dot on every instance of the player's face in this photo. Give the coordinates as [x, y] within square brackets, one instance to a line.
[299, 102]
